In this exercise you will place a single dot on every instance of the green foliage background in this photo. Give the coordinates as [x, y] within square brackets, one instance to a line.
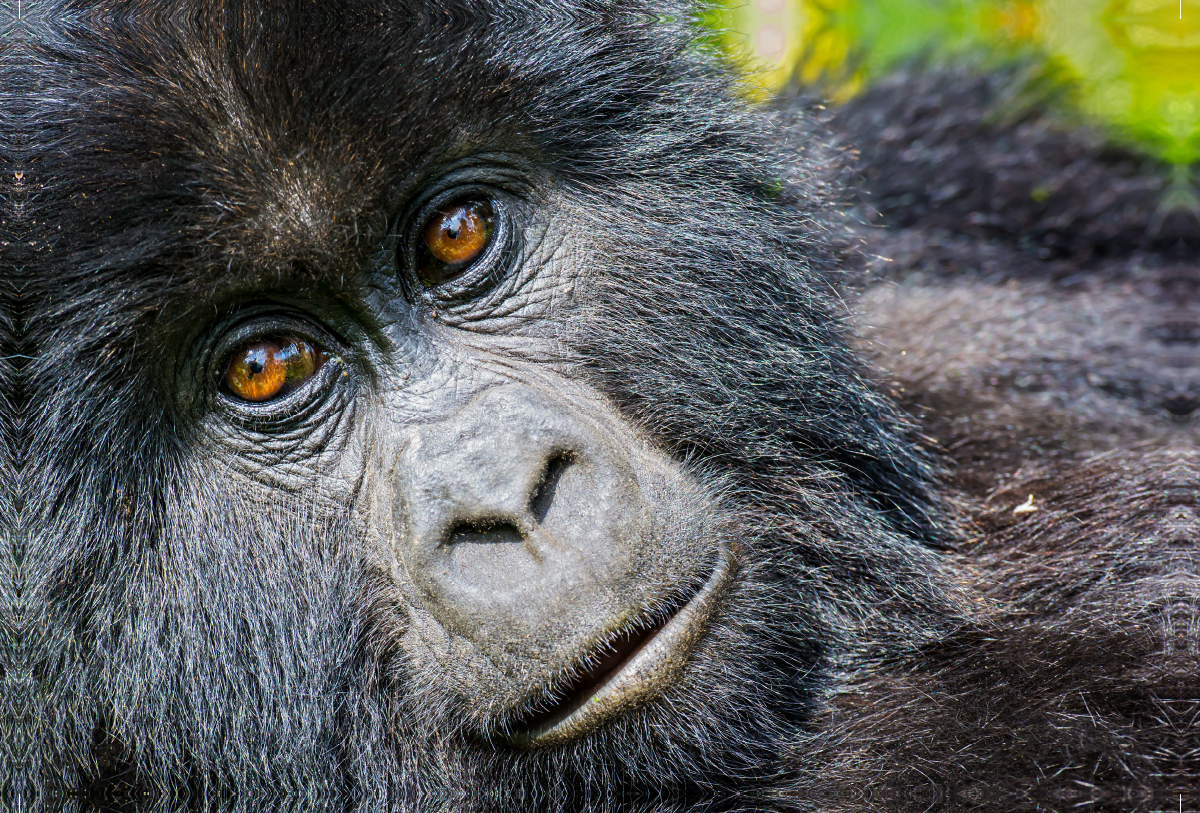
[1132, 66]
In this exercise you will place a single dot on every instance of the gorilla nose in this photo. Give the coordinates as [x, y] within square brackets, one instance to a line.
[522, 519]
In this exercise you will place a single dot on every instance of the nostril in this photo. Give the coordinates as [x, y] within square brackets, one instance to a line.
[543, 495]
[484, 532]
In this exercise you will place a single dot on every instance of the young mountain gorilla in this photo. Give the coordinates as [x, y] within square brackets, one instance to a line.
[442, 406]
[445, 406]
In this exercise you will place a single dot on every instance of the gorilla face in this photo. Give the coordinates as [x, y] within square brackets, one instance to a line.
[557, 568]
[444, 411]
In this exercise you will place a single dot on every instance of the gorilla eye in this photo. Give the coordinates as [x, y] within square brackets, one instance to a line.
[453, 238]
[267, 369]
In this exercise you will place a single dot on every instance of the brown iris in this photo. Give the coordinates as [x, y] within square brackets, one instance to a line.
[269, 368]
[454, 238]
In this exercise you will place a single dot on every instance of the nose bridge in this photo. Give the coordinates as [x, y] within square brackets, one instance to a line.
[517, 513]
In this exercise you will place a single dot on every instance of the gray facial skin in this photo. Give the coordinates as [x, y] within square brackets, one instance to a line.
[526, 517]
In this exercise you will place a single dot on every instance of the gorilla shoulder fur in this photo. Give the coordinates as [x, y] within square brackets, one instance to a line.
[450, 406]
[1049, 343]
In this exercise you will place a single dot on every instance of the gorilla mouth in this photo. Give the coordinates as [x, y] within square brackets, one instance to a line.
[583, 687]
[632, 669]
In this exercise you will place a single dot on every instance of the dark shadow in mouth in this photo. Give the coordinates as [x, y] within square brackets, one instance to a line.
[618, 653]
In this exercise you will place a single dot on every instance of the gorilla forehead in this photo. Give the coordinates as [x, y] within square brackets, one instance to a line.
[271, 140]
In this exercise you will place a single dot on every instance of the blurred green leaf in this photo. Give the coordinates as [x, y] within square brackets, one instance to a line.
[1134, 65]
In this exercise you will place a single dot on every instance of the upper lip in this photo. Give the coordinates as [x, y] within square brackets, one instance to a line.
[632, 666]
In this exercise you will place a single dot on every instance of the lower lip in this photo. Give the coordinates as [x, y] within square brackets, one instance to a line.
[652, 664]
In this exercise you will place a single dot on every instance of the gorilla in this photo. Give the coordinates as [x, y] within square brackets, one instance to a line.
[1037, 311]
[477, 406]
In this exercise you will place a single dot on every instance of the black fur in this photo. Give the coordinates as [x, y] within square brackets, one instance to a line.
[1049, 342]
[191, 636]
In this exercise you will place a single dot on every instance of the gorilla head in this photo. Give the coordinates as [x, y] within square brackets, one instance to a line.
[444, 405]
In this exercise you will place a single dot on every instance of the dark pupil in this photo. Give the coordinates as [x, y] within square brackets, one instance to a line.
[254, 364]
[454, 225]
